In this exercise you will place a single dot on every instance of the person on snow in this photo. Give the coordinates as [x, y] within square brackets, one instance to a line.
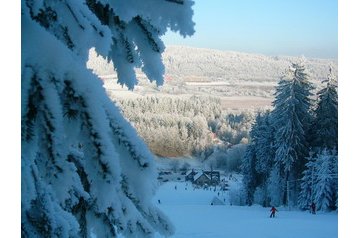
[313, 208]
[273, 211]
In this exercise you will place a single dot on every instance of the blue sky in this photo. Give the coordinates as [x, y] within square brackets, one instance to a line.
[271, 27]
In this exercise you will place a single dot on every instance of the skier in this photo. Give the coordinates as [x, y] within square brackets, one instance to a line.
[313, 208]
[273, 211]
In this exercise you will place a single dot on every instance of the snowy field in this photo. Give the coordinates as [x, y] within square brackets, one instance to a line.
[193, 216]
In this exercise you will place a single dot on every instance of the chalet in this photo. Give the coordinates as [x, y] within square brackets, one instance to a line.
[211, 178]
[190, 175]
[214, 177]
[201, 179]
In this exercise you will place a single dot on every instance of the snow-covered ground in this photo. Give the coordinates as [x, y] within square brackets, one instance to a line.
[193, 216]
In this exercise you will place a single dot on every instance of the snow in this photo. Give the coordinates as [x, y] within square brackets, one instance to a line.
[196, 176]
[193, 216]
[218, 83]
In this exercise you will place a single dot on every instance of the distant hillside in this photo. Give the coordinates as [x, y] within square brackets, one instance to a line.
[239, 79]
[197, 64]
[215, 65]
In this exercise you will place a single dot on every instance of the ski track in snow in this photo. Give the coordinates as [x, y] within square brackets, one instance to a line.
[193, 216]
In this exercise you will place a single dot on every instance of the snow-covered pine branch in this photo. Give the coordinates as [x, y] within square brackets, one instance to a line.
[84, 169]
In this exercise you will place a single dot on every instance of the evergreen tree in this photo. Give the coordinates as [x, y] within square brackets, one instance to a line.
[324, 130]
[275, 187]
[264, 154]
[320, 181]
[264, 143]
[259, 159]
[84, 169]
[325, 189]
[291, 120]
[334, 204]
[249, 175]
[306, 196]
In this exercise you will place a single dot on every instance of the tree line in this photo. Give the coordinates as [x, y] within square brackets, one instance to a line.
[292, 155]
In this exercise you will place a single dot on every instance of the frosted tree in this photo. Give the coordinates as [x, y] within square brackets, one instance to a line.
[275, 187]
[84, 169]
[306, 196]
[264, 143]
[249, 175]
[325, 124]
[260, 196]
[334, 154]
[291, 118]
[257, 164]
[265, 153]
[326, 189]
[320, 181]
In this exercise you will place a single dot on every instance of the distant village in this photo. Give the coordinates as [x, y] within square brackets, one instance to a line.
[198, 178]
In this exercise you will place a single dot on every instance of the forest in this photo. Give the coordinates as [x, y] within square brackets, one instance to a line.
[185, 126]
[88, 162]
[292, 157]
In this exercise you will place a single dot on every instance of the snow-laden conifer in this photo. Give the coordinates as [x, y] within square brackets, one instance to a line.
[276, 187]
[325, 124]
[320, 181]
[249, 175]
[264, 141]
[258, 159]
[325, 188]
[306, 196]
[291, 119]
[84, 169]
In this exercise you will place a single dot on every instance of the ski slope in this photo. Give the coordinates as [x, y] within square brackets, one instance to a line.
[193, 216]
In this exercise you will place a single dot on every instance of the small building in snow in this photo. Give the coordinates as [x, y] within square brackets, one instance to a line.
[190, 175]
[216, 201]
[214, 177]
[201, 179]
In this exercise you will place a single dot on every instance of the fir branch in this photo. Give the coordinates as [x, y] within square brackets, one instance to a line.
[181, 2]
[144, 27]
[80, 171]
[74, 16]
[71, 101]
[122, 139]
[94, 137]
[46, 17]
[103, 12]
[80, 209]
[34, 99]
[127, 46]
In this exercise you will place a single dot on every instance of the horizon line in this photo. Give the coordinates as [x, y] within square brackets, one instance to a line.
[252, 53]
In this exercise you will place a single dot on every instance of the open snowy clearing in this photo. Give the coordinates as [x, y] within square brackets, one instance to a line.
[245, 102]
[193, 216]
[210, 84]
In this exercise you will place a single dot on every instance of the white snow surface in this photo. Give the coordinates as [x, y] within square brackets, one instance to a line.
[193, 216]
